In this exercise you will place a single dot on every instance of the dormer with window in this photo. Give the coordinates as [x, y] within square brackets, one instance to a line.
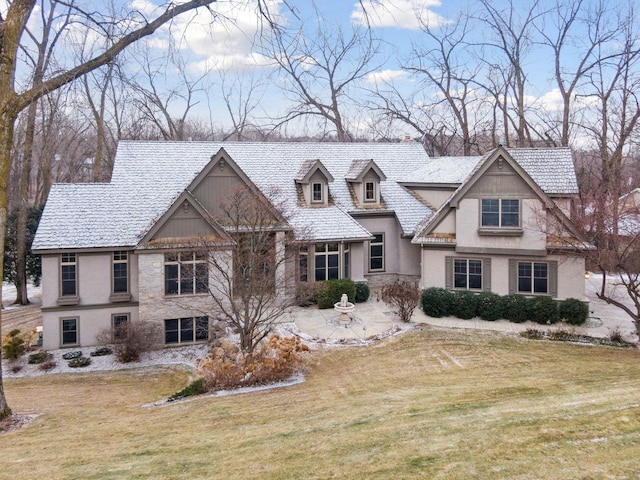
[364, 177]
[313, 179]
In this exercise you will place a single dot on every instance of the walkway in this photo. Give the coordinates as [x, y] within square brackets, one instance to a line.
[374, 318]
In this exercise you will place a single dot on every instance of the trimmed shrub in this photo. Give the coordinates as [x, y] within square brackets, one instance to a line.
[403, 298]
[465, 304]
[330, 292]
[544, 310]
[13, 345]
[362, 292]
[130, 339]
[516, 308]
[101, 352]
[38, 357]
[437, 302]
[72, 355]
[196, 387]
[490, 306]
[573, 311]
[79, 362]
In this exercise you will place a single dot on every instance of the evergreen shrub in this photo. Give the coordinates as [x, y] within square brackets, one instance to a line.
[544, 310]
[516, 308]
[465, 304]
[573, 311]
[330, 292]
[490, 306]
[362, 292]
[437, 302]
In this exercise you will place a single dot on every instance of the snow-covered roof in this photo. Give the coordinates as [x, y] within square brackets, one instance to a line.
[551, 168]
[149, 176]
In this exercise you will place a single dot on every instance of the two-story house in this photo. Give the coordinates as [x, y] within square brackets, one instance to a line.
[372, 212]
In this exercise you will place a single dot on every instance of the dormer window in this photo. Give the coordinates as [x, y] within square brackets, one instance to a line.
[313, 180]
[365, 178]
[317, 196]
[370, 192]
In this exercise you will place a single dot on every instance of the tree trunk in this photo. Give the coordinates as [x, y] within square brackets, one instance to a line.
[23, 208]
[7, 120]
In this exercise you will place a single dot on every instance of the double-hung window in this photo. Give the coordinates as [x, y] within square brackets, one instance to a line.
[120, 272]
[316, 192]
[533, 277]
[500, 212]
[120, 322]
[467, 274]
[69, 275]
[369, 192]
[185, 273]
[69, 332]
[376, 253]
[186, 330]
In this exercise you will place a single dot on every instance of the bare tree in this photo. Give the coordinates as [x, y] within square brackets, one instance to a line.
[511, 28]
[322, 71]
[136, 25]
[248, 275]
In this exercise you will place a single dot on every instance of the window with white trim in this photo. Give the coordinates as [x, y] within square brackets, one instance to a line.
[120, 272]
[68, 274]
[186, 330]
[317, 192]
[376, 253]
[327, 261]
[185, 273]
[119, 323]
[370, 191]
[69, 331]
[467, 274]
[500, 212]
[533, 277]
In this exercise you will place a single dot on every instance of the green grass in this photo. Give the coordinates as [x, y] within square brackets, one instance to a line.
[430, 404]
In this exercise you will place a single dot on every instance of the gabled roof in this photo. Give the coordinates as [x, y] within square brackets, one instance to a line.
[148, 177]
[551, 168]
[308, 168]
[359, 168]
[500, 153]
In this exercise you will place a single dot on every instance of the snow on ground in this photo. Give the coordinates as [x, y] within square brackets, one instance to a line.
[9, 295]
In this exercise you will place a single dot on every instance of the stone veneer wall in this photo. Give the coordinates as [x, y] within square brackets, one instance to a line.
[154, 306]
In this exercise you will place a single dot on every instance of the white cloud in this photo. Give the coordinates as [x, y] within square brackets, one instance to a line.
[227, 38]
[409, 14]
[385, 76]
[145, 7]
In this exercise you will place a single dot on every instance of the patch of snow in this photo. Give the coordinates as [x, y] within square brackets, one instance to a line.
[9, 295]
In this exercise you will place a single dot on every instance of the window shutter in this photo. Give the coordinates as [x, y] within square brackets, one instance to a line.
[513, 276]
[553, 279]
[486, 274]
[448, 272]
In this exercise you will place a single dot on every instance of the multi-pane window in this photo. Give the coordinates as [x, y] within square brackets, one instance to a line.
[303, 264]
[346, 261]
[316, 192]
[185, 273]
[186, 330]
[376, 253]
[533, 277]
[327, 259]
[467, 274]
[500, 212]
[69, 331]
[120, 323]
[68, 274]
[120, 272]
[369, 191]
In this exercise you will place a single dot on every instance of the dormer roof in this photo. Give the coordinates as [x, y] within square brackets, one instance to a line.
[359, 168]
[308, 168]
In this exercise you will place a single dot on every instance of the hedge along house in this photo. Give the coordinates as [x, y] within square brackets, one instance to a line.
[372, 212]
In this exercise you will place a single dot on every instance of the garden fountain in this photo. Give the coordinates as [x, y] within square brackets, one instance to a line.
[345, 308]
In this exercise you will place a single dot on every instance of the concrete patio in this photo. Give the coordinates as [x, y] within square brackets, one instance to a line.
[374, 318]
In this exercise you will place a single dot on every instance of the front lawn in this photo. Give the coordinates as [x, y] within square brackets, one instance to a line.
[429, 404]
